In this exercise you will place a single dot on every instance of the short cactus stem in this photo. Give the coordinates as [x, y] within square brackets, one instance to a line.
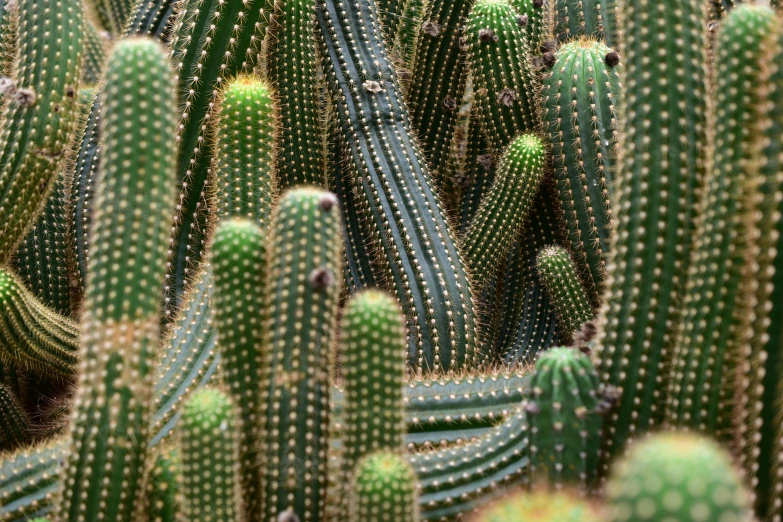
[557, 273]
[209, 480]
[383, 489]
[539, 506]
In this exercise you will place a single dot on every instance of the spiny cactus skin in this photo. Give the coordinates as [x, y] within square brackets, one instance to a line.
[536, 26]
[245, 157]
[112, 14]
[478, 171]
[122, 303]
[665, 150]
[384, 489]
[39, 120]
[501, 215]
[578, 104]
[239, 261]
[210, 458]
[14, 424]
[539, 507]
[95, 53]
[32, 335]
[303, 288]
[676, 476]
[163, 486]
[399, 203]
[151, 18]
[557, 273]
[703, 387]
[596, 19]
[564, 421]
[503, 82]
[27, 480]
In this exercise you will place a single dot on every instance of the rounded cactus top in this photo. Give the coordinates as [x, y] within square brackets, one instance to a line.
[599, 50]
[539, 507]
[561, 356]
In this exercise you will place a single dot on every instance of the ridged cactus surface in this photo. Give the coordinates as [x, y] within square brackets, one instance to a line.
[383, 489]
[558, 275]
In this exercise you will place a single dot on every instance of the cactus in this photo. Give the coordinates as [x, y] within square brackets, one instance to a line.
[14, 424]
[151, 18]
[596, 19]
[539, 507]
[122, 302]
[95, 53]
[238, 257]
[163, 486]
[565, 426]
[503, 82]
[579, 111]
[702, 388]
[39, 116]
[209, 481]
[244, 151]
[557, 273]
[383, 490]
[503, 211]
[676, 476]
[665, 150]
[112, 14]
[302, 298]
[478, 171]
[399, 203]
[28, 479]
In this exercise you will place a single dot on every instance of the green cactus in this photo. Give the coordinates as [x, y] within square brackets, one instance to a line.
[112, 14]
[238, 257]
[676, 476]
[503, 82]
[163, 486]
[558, 275]
[498, 222]
[14, 424]
[32, 335]
[95, 52]
[244, 151]
[565, 425]
[534, 21]
[477, 170]
[122, 302]
[303, 289]
[596, 19]
[28, 479]
[151, 18]
[702, 389]
[579, 111]
[665, 150]
[539, 506]
[39, 116]
[383, 489]
[209, 448]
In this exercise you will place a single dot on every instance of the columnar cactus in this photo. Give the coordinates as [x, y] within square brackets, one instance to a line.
[383, 489]
[675, 476]
[534, 22]
[209, 480]
[112, 14]
[596, 19]
[579, 111]
[503, 82]
[557, 273]
[122, 303]
[539, 507]
[95, 53]
[303, 288]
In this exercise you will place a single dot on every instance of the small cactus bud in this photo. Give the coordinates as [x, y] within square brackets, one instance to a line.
[612, 59]
[548, 59]
[522, 20]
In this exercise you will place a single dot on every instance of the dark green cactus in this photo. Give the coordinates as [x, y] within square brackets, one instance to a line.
[596, 19]
[28, 479]
[163, 486]
[504, 87]
[383, 489]
[39, 113]
[498, 222]
[676, 476]
[478, 172]
[557, 274]
[539, 507]
[112, 14]
[95, 53]
[302, 292]
[151, 18]
[534, 22]
[209, 448]
[122, 303]
[579, 110]
[14, 424]
[565, 425]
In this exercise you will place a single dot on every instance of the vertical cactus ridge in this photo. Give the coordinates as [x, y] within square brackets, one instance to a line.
[579, 111]
[244, 151]
[151, 18]
[505, 88]
[14, 424]
[421, 259]
[503, 211]
[408, 32]
[292, 70]
[702, 387]
[112, 14]
[28, 479]
[303, 289]
[95, 53]
[596, 19]
[32, 335]
[39, 120]
[557, 274]
[239, 262]
[209, 448]
[686, 467]
[383, 490]
[163, 485]
[564, 421]
[122, 302]
[535, 25]
[665, 151]
[539, 506]
[212, 41]
[478, 172]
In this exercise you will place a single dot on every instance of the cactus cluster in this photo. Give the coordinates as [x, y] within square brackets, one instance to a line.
[391, 261]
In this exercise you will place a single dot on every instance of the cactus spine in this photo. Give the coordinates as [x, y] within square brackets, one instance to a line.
[303, 289]
[383, 490]
[122, 304]
[39, 116]
[27, 480]
[596, 19]
[503, 83]
[579, 110]
[539, 507]
[535, 23]
[112, 14]
[557, 273]
[210, 459]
